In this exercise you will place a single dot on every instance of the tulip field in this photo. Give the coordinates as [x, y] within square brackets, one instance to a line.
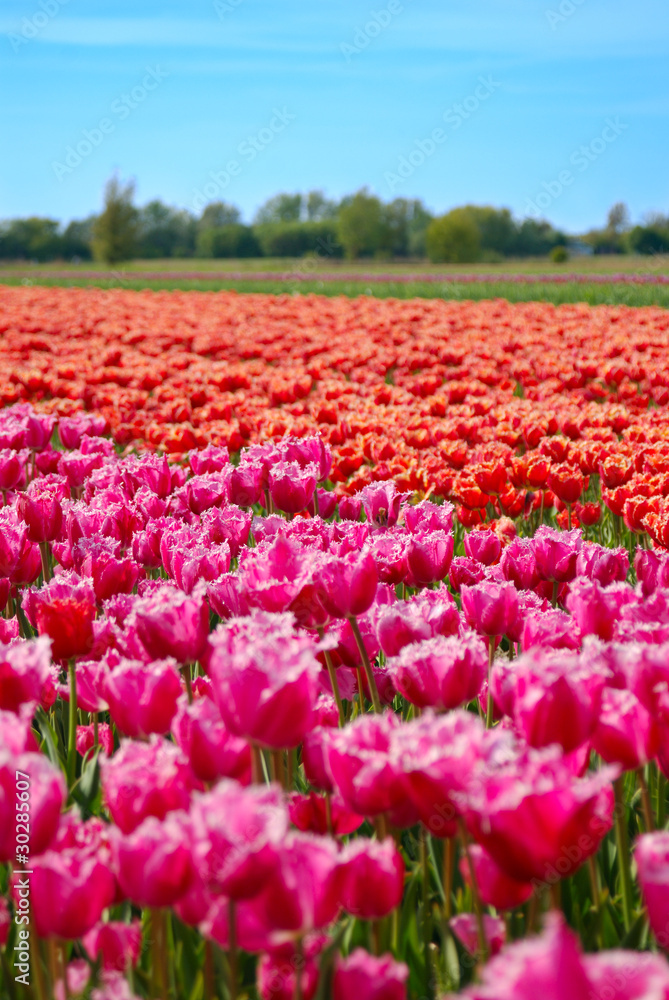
[334, 658]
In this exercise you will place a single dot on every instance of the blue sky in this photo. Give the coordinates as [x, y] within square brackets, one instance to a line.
[559, 106]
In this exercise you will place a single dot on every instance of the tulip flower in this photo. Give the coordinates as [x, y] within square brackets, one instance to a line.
[169, 623]
[153, 863]
[145, 779]
[265, 685]
[38, 806]
[372, 878]
[368, 977]
[489, 607]
[651, 854]
[442, 673]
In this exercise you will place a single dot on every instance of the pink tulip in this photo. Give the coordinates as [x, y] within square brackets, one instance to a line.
[77, 466]
[301, 894]
[40, 508]
[212, 750]
[596, 609]
[551, 697]
[202, 492]
[45, 797]
[308, 451]
[429, 557]
[169, 623]
[535, 819]
[371, 878]
[549, 966]
[382, 503]
[346, 586]
[442, 673]
[627, 975]
[368, 977]
[489, 607]
[366, 772]
[16, 733]
[465, 928]
[213, 458]
[100, 561]
[231, 525]
[518, 564]
[315, 813]
[465, 572]
[278, 970]
[292, 487]
[118, 945]
[71, 883]
[556, 553]
[603, 566]
[113, 986]
[86, 739]
[428, 614]
[495, 887]
[652, 570]
[12, 468]
[145, 779]
[349, 508]
[552, 629]
[237, 833]
[142, 698]
[651, 853]
[626, 733]
[389, 550]
[153, 864]
[27, 676]
[437, 756]
[427, 516]
[265, 685]
[483, 546]
[71, 430]
[278, 575]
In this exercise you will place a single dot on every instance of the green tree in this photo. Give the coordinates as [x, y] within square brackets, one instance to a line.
[233, 240]
[361, 225]
[453, 238]
[77, 239]
[115, 229]
[163, 231]
[217, 214]
[33, 239]
[497, 230]
[319, 207]
[280, 208]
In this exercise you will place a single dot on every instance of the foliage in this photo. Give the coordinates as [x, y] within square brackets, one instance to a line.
[116, 229]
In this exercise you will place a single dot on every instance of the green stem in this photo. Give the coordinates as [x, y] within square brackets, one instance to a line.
[299, 962]
[622, 842]
[332, 674]
[373, 690]
[72, 727]
[478, 908]
[645, 801]
[46, 568]
[449, 860]
[489, 706]
[232, 949]
[661, 800]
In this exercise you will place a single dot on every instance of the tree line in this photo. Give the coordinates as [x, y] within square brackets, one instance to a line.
[293, 225]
